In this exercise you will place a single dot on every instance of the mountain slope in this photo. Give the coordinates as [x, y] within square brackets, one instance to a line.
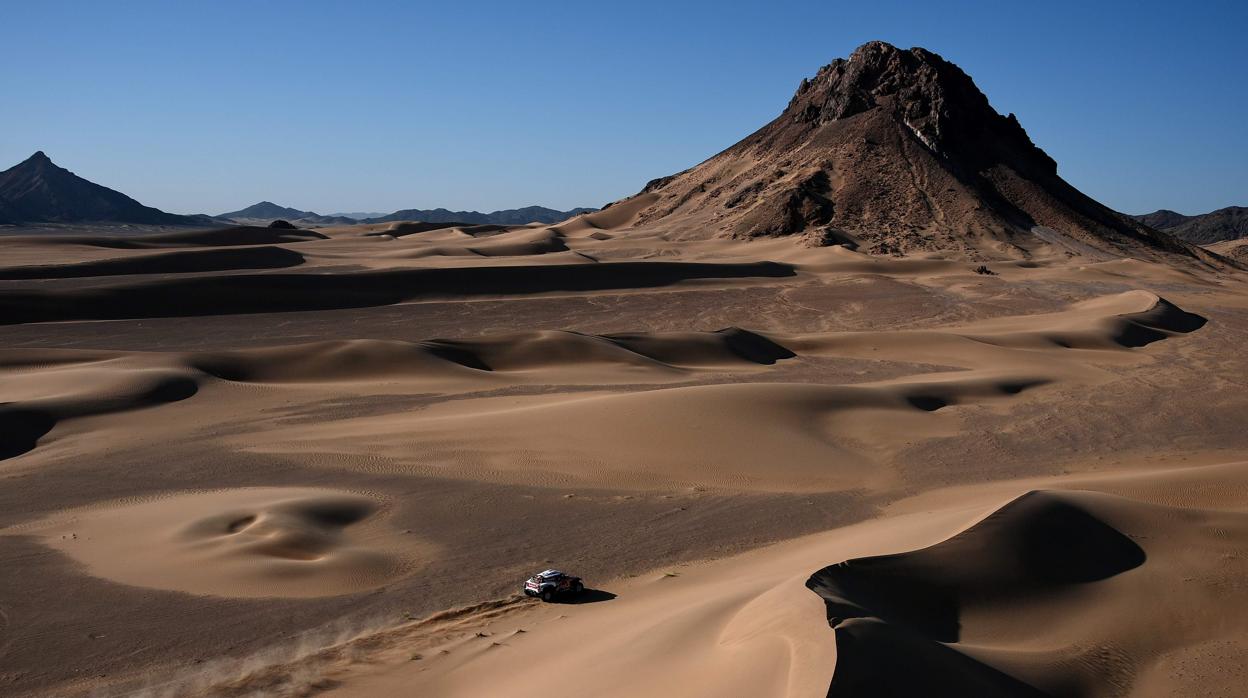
[1230, 223]
[894, 151]
[38, 191]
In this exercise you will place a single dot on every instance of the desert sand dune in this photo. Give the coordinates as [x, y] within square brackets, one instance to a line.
[728, 347]
[1055, 592]
[521, 243]
[163, 263]
[336, 361]
[406, 228]
[1042, 546]
[251, 542]
[450, 391]
[221, 237]
[632, 440]
[831, 437]
[45, 387]
[254, 293]
[1236, 250]
[1007, 595]
[618, 215]
[1130, 319]
[35, 402]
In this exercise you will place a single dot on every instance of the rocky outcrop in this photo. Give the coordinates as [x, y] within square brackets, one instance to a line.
[896, 151]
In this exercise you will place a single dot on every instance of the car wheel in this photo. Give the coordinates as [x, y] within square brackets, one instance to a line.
[578, 588]
[548, 595]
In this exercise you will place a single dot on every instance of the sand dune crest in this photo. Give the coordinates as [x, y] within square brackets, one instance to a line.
[1067, 593]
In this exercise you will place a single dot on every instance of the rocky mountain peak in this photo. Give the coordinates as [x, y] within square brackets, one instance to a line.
[37, 190]
[895, 151]
[938, 102]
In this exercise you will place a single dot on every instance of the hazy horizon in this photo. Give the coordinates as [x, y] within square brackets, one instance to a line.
[323, 108]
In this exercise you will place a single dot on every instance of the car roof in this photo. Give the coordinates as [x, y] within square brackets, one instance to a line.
[550, 573]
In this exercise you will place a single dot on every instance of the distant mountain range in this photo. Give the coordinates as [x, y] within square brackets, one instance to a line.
[267, 211]
[511, 216]
[36, 190]
[1230, 223]
[358, 215]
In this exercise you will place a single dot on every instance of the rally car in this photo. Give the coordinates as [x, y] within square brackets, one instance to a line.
[551, 584]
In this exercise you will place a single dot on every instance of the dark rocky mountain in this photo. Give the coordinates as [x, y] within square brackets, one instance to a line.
[1162, 218]
[1230, 223]
[895, 151]
[267, 209]
[514, 216]
[38, 191]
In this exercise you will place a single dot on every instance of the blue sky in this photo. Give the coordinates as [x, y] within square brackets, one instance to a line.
[358, 106]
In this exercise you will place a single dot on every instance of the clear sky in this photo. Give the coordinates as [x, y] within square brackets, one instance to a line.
[374, 106]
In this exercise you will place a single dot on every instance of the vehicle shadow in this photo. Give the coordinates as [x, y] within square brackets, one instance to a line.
[588, 596]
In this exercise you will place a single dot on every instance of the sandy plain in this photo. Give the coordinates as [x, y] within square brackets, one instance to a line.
[260, 462]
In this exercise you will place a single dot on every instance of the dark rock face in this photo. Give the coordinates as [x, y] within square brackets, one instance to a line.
[38, 191]
[800, 206]
[283, 225]
[937, 101]
[1230, 223]
[897, 151]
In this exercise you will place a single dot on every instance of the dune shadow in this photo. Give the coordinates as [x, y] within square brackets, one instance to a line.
[754, 347]
[173, 389]
[1036, 545]
[588, 596]
[1162, 321]
[164, 263]
[456, 353]
[219, 237]
[21, 429]
[927, 403]
[910, 606]
[288, 292]
[22, 426]
[869, 653]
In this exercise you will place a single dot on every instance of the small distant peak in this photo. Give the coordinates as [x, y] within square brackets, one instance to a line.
[39, 156]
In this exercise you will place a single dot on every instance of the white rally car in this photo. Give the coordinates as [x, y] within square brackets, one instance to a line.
[552, 584]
